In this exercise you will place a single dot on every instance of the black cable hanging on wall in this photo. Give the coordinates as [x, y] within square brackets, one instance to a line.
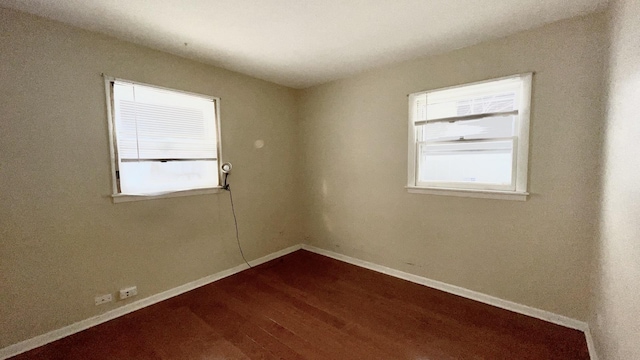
[226, 169]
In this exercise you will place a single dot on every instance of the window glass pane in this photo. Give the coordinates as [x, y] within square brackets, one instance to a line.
[487, 162]
[148, 177]
[495, 96]
[486, 104]
[493, 127]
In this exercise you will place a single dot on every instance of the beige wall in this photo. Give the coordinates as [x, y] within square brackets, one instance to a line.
[338, 150]
[536, 252]
[616, 320]
[62, 240]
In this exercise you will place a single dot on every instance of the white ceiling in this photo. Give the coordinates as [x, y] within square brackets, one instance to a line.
[300, 43]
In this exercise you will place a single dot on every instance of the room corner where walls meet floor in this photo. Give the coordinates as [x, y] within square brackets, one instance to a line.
[49, 337]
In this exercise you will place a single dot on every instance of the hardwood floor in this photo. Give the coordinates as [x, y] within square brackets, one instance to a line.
[306, 306]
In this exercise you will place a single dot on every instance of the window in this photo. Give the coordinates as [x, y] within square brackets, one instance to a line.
[471, 139]
[163, 141]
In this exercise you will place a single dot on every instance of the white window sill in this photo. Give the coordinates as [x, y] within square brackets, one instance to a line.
[118, 198]
[485, 194]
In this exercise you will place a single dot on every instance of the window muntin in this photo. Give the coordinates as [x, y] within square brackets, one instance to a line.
[163, 140]
[471, 136]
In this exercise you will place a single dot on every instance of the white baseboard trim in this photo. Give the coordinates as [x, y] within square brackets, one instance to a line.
[466, 293]
[593, 354]
[26, 345]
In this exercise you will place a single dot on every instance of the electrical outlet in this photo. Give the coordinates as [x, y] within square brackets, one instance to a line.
[103, 299]
[128, 292]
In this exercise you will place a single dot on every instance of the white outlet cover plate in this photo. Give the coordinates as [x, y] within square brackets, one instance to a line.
[128, 292]
[103, 299]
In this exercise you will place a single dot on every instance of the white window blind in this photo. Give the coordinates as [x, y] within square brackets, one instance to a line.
[165, 140]
[472, 136]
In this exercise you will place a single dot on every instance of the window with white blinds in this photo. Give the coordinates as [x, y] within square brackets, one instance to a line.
[471, 137]
[163, 140]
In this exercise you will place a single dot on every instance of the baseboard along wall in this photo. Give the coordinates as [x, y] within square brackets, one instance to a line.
[469, 294]
[26, 345]
[54, 335]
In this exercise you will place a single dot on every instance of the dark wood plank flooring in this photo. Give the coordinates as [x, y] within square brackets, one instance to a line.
[306, 306]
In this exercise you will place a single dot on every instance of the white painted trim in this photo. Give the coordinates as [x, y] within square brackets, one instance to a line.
[119, 198]
[412, 161]
[54, 335]
[474, 83]
[469, 294]
[484, 194]
[26, 345]
[456, 290]
[520, 156]
[274, 255]
[593, 354]
[522, 163]
[108, 83]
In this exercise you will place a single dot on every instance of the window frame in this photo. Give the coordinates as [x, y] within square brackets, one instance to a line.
[118, 196]
[517, 190]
